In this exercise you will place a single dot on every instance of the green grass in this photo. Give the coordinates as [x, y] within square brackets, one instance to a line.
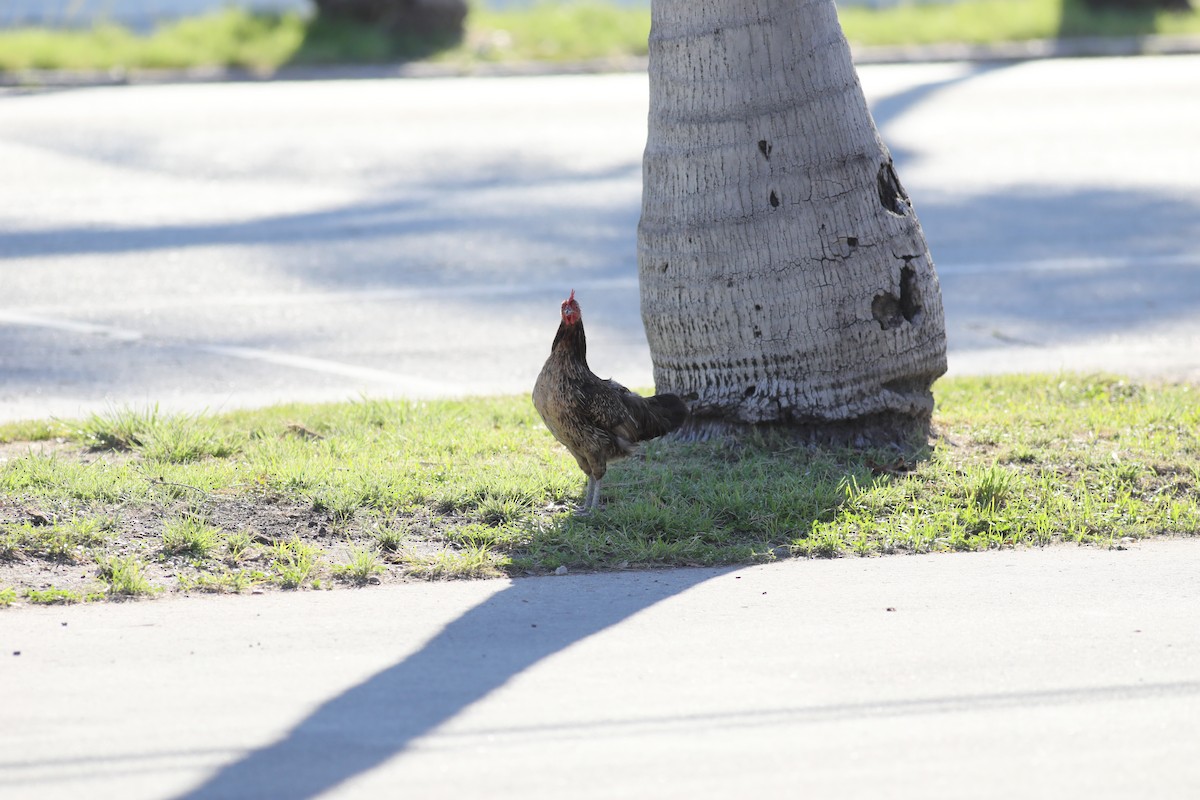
[50, 597]
[228, 581]
[475, 488]
[71, 541]
[550, 31]
[986, 21]
[190, 535]
[468, 562]
[362, 566]
[293, 563]
[237, 546]
[390, 539]
[124, 576]
[174, 439]
[228, 38]
[237, 38]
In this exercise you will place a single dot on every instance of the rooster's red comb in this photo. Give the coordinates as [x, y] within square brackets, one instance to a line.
[570, 309]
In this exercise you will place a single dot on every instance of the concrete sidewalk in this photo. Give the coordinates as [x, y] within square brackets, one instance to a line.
[1062, 672]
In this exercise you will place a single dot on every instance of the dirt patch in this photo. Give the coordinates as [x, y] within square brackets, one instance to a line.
[245, 555]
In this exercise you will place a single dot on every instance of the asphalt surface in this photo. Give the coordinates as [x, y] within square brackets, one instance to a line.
[1066, 672]
[223, 245]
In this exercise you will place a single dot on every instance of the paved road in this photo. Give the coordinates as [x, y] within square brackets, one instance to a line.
[232, 244]
[1067, 672]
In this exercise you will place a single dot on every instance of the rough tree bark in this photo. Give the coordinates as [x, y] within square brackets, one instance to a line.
[784, 276]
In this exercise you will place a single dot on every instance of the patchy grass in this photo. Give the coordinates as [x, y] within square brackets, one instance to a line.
[293, 562]
[390, 538]
[173, 439]
[466, 562]
[548, 31]
[263, 42]
[50, 597]
[362, 567]
[564, 31]
[988, 21]
[391, 490]
[190, 535]
[124, 576]
[227, 581]
[227, 38]
[70, 541]
[238, 546]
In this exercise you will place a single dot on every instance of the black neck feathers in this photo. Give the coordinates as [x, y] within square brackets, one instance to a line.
[572, 339]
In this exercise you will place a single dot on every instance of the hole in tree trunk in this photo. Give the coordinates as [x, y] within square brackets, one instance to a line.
[886, 310]
[764, 147]
[891, 311]
[774, 199]
[891, 194]
[910, 296]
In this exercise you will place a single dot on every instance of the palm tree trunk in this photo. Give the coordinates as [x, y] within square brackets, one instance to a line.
[784, 276]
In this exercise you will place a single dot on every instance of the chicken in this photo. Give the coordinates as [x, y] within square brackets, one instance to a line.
[597, 420]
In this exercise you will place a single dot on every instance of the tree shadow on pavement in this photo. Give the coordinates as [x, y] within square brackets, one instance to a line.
[889, 108]
[485, 648]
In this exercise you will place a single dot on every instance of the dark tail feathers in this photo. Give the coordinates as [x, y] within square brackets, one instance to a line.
[657, 415]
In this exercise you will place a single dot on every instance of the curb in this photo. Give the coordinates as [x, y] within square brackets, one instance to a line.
[54, 79]
[1082, 47]
[1085, 47]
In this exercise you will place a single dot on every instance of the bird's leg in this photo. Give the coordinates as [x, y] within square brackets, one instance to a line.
[596, 494]
[586, 507]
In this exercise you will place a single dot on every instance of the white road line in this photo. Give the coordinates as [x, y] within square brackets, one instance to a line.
[408, 383]
[68, 325]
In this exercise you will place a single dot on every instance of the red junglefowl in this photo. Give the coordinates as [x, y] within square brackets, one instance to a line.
[598, 420]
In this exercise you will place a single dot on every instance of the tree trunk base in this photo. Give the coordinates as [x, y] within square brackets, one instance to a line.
[898, 431]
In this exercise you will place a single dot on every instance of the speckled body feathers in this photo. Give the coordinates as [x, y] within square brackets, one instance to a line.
[597, 420]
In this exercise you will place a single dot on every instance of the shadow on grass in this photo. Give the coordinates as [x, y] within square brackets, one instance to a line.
[747, 499]
[486, 647]
[335, 41]
[1137, 19]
